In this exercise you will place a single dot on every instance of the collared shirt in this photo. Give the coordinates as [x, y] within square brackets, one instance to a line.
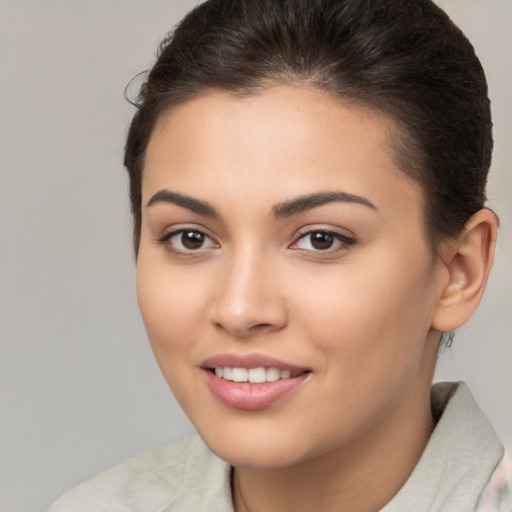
[454, 473]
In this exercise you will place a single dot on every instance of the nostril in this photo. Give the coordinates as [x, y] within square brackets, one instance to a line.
[259, 327]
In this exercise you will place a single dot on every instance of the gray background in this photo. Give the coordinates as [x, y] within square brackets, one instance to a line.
[79, 389]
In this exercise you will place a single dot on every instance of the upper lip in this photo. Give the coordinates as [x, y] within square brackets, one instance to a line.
[250, 361]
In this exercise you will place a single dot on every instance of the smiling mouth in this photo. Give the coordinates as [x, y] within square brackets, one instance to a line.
[253, 375]
[255, 388]
[252, 381]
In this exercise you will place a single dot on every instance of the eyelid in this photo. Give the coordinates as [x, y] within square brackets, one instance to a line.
[165, 238]
[345, 241]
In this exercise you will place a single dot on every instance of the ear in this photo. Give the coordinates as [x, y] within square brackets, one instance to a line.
[468, 261]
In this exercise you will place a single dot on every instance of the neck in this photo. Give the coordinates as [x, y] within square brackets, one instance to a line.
[363, 476]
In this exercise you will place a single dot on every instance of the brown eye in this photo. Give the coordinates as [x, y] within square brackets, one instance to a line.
[187, 241]
[321, 241]
[192, 239]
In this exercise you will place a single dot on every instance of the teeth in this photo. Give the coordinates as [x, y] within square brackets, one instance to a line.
[257, 375]
[253, 375]
[272, 374]
[240, 374]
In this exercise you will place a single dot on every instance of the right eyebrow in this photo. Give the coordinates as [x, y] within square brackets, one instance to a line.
[194, 205]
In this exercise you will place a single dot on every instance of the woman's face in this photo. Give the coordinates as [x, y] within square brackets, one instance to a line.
[280, 241]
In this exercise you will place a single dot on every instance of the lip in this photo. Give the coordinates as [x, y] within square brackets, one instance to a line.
[244, 395]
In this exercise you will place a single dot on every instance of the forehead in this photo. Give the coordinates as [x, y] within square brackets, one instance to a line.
[286, 141]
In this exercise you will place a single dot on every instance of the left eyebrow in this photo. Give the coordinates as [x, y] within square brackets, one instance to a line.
[310, 201]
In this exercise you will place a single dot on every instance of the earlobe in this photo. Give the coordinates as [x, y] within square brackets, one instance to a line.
[468, 261]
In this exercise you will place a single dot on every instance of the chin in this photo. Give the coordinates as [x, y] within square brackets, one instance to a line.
[260, 446]
[248, 455]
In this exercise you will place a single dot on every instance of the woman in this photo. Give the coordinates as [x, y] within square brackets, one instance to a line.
[307, 182]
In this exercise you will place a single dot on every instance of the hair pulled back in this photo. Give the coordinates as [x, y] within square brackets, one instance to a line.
[405, 58]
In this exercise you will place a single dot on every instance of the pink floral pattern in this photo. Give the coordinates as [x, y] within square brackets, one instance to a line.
[497, 495]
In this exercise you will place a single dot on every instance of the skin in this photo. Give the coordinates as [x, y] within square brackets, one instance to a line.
[364, 318]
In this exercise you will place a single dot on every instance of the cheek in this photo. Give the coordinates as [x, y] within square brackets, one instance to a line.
[169, 303]
[368, 316]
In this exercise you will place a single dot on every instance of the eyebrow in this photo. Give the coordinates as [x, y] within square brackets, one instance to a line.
[194, 205]
[280, 210]
[310, 201]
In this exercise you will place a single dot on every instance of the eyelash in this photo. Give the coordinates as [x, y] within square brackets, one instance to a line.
[167, 237]
[344, 242]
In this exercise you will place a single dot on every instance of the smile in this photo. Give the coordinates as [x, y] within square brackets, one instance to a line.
[252, 382]
[252, 375]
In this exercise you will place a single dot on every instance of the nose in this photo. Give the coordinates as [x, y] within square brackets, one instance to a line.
[248, 298]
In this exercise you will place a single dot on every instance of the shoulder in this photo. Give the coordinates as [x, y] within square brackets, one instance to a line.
[157, 480]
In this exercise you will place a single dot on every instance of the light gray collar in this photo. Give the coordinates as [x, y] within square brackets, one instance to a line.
[458, 460]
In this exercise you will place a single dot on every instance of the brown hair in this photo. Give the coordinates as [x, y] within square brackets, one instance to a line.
[403, 57]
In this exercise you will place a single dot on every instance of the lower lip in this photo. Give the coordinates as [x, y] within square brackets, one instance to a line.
[251, 397]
